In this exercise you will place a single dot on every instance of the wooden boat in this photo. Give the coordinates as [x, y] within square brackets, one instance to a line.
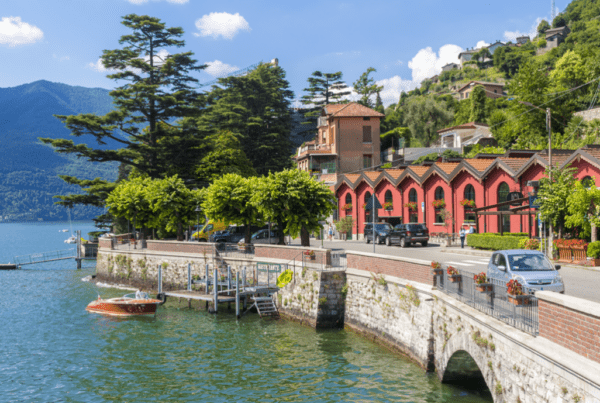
[138, 304]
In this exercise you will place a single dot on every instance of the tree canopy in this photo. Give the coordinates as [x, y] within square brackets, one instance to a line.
[366, 87]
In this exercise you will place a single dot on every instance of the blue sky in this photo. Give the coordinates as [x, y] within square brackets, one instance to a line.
[405, 41]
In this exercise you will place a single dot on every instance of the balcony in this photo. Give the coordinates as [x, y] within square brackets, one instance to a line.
[323, 168]
[322, 121]
[318, 148]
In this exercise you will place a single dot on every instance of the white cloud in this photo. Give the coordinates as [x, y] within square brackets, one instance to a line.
[427, 63]
[98, 66]
[14, 32]
[138, 2]
[159, 58]
[218, 68]
[221, 24]
[393, 87]
[62, 58]
[481, 44]
[513, 35]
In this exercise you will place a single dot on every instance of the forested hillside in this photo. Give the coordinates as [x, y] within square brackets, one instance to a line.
[28, 168]
[565, 79]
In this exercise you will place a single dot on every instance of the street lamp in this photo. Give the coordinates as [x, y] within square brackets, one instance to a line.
[198, 210]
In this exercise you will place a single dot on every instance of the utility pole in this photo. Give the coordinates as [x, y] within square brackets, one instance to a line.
[550, 248]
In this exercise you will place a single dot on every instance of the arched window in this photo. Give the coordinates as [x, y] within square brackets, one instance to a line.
[348, 203]
[469, 195]
[587, 182]
[389, 199]
[503, 191]
[367, 212]
[439, 195]
[413, 215]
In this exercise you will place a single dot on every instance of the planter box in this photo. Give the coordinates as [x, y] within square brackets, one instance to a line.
[484, 287]
[438, 272]
[519, 299]
[579, 253]
[565, 255]
[455, 278]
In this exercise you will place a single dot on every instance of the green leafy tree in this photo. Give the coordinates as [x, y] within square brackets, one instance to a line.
[229, 199]
[173, 203]
[481, 56]
[296, 201]
[398, 137]
[344, 225]
[366, 87]
[323, 89]
[478, 99]
[256, 108]
[130, 200]
[542, 27]
[553, 195]
[225, 157]
[379, 103]
[569, 72]
[425, 116]
[559, 21]
[583, 205]
[462, 113]
[159, 88]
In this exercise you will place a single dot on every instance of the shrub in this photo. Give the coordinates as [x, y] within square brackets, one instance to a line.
[593, 249]
[494, 241]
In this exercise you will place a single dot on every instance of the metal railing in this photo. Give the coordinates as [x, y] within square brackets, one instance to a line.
[339, 260]
[493, 302]
[234, 250]
[45, 257]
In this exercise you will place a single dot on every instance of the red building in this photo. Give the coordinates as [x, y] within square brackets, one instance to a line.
[456, 187]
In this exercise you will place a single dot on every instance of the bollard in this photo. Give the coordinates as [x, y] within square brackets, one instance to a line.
[215, 291]
[228, 278]
[237, 295]
[189, 277]
[206, 278]
[159, 278]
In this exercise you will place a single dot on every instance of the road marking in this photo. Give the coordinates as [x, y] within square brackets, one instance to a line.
[478, 261]
[460, 264]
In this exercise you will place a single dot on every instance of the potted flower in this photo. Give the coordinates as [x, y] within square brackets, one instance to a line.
[515, 293]
[579, 248]
[389, 206]
[453, 274]
[347, 207]
[438, 203]
[412, 206]
[467, 203]
[436, 267]
[481, 283]
[364, 206]
[310, 254]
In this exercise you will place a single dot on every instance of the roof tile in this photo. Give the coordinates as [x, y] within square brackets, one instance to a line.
[372, 175]
[351, 110]
[418, 170]
[447, 167]
[479, 164]
[394, 173]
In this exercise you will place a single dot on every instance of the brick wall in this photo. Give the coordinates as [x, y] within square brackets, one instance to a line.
[391, 266]
[184, 247]
[322, 256]
[570, 328]
[105, 243]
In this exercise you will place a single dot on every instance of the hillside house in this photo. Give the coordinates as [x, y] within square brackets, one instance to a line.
[522, 40]
[450, 66]
[492, 90]
[466, 134]
[556, 36]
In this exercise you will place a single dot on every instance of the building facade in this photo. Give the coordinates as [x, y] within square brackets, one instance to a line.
[492, 90]
[486, 180]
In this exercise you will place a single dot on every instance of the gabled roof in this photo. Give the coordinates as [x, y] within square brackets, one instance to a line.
[444, 169]
[351, 109]
[394, 173]
[470, 125]
[479, 83]
[479, 165]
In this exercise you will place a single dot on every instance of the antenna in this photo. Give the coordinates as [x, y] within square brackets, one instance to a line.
[552, 11]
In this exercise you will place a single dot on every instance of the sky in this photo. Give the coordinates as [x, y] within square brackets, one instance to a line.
[406, 41]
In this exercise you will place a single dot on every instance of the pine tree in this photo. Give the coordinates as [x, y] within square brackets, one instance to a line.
[379, 104]
[323, 89]
[366, 87]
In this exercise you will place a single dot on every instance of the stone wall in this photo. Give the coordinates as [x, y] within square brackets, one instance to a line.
[314, 297]
[571, 322]
[589, 115]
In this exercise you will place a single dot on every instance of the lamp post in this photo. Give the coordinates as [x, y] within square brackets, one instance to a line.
[198, 210]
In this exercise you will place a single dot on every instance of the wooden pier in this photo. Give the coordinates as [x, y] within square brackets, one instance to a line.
[54, 256]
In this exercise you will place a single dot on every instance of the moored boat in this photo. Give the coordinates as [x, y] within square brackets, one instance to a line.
[138, 304]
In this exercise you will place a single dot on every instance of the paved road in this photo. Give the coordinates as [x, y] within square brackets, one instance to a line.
[579, 282]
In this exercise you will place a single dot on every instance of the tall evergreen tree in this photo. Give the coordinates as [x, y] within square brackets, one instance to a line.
[379, 103]
[256, 108]
[366, 87]
[478, 104]
[158, 90]
[323, 89]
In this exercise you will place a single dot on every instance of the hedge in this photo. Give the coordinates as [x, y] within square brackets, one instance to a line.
[494, 241]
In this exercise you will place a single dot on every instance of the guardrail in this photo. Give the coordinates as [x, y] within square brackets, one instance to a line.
[339, 259]
[494, 301]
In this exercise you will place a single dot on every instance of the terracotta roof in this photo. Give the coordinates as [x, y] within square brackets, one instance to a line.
[352, 177]
[594, 152]
[419, 170]
[351, 110]
[479, 164]
[394, 173]
[373, 175]
[447, 167]
[470, 125]
[328, 178]
[514, 163]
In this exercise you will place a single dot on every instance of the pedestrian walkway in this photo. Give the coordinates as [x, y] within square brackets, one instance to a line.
[469, 263]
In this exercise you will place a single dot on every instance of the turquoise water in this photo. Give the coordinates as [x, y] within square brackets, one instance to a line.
[52, 350]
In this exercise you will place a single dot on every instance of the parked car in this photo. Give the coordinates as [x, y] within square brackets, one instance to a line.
[530, 267]
[382, 230]
[262, 236]
[407, 234]
[233, 234]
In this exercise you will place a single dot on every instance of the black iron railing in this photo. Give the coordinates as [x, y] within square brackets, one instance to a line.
[494, 301]
[235, 250]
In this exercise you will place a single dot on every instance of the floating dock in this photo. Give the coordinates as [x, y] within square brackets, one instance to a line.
[8, 267]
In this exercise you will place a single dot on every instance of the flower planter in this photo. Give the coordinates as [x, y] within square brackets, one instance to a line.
[519, 299]
[437, 272]
[565, 255]
[389, 209]
[456, 278]
[311, 257]
[579, 253]
[484, 287]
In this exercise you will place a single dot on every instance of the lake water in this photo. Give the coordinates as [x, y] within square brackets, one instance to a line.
[52, 350]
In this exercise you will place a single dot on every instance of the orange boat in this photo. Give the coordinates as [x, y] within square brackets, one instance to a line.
[138, 304]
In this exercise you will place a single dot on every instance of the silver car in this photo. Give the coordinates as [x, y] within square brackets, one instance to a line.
[530, 267]
[262, 236]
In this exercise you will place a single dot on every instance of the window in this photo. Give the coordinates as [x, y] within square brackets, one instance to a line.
[367, 161]
[587, 182]
[413, 215]
[389, 198]
[348, 198]
[503, 192]
[367, 212]
[469, 195]
[366, 118]
[439, 195]
[367, 134]
[349, 202]
[467, 95]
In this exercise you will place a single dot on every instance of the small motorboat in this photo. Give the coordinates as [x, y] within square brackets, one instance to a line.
[63, 230]
[71, 239]
[138, 304]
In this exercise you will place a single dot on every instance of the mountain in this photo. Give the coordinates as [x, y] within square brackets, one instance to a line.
[28, 168]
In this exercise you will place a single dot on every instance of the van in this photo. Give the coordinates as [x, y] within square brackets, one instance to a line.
[208, 229]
